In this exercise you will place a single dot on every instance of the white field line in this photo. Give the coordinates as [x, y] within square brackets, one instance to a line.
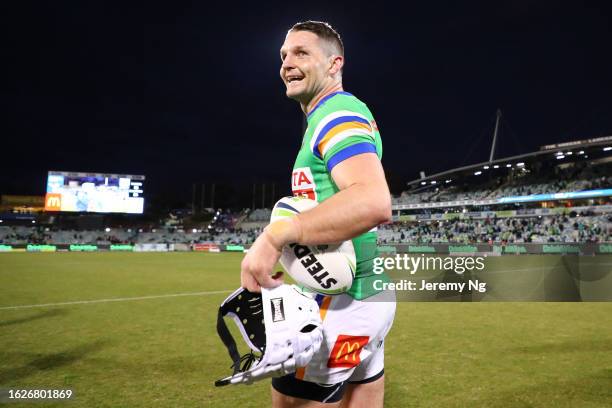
[126, 299]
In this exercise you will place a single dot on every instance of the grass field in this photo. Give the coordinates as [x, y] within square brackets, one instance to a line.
[162, 351]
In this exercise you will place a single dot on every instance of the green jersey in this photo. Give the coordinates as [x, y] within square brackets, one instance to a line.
[339, 126]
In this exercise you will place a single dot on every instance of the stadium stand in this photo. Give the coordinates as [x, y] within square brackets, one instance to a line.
[260, 214]
[18, 235]
[466, 205]
[555, 228]
[583, 226]
[570, 180]
[559, 194]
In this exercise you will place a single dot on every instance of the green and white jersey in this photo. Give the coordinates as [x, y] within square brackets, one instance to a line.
[339, 126]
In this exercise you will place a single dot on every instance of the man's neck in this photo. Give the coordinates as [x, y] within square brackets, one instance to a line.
[335, 86]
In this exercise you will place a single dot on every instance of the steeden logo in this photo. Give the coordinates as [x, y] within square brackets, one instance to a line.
[347, 351]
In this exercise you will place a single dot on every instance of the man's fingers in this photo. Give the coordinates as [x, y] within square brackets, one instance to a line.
[258, 264]
[249, 283]
[267, 281]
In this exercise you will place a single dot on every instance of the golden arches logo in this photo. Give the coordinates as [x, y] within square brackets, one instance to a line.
[347, 351]
[350, 349]
[53, 202]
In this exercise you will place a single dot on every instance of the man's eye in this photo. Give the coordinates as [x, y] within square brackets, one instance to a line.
[301, 53]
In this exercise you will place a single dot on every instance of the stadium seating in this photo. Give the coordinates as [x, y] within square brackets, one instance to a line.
[18, 235]
[563, 181]
[260, 214]
[543, 229]
[555, 228]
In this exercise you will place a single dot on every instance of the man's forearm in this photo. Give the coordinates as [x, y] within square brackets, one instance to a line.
[346, 214]
[343, 216]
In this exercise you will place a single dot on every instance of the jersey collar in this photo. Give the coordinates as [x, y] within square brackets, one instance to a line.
[323, 98]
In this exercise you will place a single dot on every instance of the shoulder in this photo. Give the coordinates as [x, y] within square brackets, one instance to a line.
[340, 121]
[343, 109]
[343, 102]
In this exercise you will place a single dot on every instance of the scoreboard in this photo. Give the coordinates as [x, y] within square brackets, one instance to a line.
[94, 192]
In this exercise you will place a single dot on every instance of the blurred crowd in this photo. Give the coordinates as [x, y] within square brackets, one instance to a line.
[542, 229]
[19, 235]
[519, 184]
[537, 229]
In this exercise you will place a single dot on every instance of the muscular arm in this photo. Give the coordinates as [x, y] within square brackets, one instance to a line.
[362, 203]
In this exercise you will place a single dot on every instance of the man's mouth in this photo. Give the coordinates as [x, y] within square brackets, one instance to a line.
[294, 79]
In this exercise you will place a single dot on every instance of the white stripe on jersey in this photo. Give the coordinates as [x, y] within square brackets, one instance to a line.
[325, 121]
[343, 135]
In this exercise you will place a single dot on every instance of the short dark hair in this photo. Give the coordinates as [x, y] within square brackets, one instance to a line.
[323, 30]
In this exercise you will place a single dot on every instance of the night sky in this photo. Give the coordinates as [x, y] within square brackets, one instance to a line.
[190, 92]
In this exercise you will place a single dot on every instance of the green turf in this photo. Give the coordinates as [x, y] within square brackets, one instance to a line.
[165, 352]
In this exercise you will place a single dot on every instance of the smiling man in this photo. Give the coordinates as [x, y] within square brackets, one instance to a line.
[338, 165]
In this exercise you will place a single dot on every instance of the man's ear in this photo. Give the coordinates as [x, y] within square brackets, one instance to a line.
[336, 64]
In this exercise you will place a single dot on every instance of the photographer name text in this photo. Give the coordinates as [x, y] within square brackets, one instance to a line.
[404, 284]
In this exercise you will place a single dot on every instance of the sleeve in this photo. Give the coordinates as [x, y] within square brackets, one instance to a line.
[341, 135]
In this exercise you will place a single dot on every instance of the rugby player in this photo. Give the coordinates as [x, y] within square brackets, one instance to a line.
[338, 165]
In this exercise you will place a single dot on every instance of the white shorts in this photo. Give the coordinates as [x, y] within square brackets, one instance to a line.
[353, 338]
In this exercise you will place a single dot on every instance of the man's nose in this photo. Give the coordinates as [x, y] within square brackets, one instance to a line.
[288, 63]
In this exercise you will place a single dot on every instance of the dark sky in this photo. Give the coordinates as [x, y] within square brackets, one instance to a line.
[190, 92]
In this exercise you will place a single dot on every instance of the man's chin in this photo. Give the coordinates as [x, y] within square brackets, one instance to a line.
[295, 95]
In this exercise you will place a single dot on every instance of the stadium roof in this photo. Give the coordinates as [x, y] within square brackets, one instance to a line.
[594, 149]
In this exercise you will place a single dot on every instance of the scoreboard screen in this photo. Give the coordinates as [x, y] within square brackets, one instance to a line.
[94, 192]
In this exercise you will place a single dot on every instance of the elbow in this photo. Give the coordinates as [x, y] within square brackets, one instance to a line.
[386, 214]
[381, 213]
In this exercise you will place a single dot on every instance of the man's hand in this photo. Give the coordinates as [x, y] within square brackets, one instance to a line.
[257, 265]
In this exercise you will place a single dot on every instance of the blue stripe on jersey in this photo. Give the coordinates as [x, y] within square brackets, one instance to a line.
[287, 207]
[325, 99]
[331, 125]
[350, 151]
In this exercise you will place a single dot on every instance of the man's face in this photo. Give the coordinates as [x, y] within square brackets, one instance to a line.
[306, 65]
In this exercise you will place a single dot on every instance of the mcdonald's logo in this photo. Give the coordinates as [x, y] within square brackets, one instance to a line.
[347, 351]
[53, 202]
